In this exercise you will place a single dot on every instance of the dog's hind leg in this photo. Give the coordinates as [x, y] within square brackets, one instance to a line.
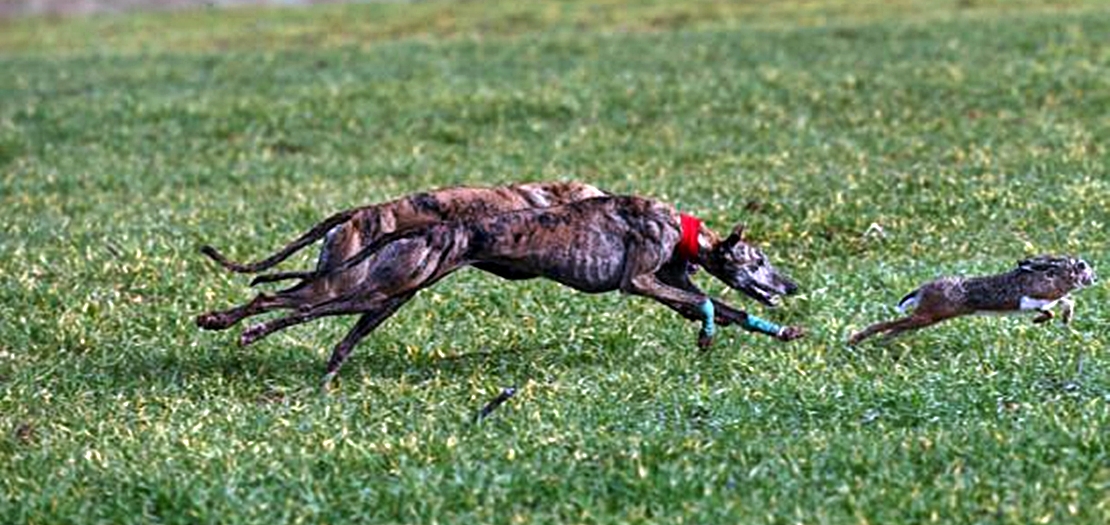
[339, 306]
[295, 296]
[220, 320]
[366, 324]
[261, 330]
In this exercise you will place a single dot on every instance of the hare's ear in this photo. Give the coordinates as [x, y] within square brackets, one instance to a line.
[1039, 264]
[736, 236]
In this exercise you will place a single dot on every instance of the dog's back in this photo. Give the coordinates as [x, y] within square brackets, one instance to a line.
[583, 244]
[458, 203]
[346, 232]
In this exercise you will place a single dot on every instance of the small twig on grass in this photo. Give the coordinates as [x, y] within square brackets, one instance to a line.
[113, 249]
[494, 403]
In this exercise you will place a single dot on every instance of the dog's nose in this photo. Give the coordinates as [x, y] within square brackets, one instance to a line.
[791, 287]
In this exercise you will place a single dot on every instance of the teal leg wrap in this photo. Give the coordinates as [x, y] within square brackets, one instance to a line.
[707, 325]
[755, 324]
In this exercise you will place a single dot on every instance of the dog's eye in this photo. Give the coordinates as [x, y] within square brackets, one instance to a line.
[1082, 265]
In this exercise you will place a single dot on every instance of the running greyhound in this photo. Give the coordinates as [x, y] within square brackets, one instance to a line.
[634, 245]
[348, 231]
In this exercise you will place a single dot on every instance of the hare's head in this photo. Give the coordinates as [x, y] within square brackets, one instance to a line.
[744, 267]
[1070, 273]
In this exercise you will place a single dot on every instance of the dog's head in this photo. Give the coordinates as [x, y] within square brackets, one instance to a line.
[744, 267]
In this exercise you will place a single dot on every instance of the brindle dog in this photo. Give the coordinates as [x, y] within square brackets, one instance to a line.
[595, 245]
[350, 230]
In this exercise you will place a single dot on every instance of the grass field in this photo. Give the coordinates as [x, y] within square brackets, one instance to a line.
[973, 133]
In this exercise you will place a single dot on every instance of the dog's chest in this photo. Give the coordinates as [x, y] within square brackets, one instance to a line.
[588, 259]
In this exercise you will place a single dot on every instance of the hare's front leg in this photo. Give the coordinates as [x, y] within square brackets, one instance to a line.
[1043, 307]
[1067, 309]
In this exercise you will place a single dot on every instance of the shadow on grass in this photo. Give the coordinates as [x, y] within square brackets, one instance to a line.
[515, 361]
[215, 367]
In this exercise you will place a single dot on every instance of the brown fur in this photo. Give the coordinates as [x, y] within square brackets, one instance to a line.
[1044, 278]
[595, 245]
[349, 231]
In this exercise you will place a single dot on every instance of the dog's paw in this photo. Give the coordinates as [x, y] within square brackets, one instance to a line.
[705, 341]
[251, 334]
[790, 333]
[328, 381]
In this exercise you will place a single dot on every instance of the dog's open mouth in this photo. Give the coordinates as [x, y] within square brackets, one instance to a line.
[763, 294]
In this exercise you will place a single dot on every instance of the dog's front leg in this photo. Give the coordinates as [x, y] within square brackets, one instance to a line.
[677, 276]
[726, 314]
[693, 306]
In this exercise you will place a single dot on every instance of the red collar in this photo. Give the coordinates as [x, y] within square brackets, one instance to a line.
[688, 247]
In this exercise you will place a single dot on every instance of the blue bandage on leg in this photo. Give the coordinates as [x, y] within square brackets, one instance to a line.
[755, 324]
[707, 327]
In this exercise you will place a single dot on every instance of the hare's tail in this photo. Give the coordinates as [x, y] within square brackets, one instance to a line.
[909, 302]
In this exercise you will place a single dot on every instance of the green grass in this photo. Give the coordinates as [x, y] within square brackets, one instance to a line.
[973, 133]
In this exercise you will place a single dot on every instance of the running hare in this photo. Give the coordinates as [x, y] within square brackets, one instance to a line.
[1037, 284]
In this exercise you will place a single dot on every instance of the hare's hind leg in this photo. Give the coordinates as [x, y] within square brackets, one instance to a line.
[893, 328]
[912, 322]
[857, 337]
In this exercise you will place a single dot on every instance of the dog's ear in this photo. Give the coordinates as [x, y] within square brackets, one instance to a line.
[736, 236]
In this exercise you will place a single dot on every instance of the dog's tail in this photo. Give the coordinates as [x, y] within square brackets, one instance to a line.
[364, 253]
[909, 302]
[282, 276]
[307, 238]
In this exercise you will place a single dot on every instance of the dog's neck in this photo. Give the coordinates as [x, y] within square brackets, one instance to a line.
[707, 242]
[696, 240]
[689, 242]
